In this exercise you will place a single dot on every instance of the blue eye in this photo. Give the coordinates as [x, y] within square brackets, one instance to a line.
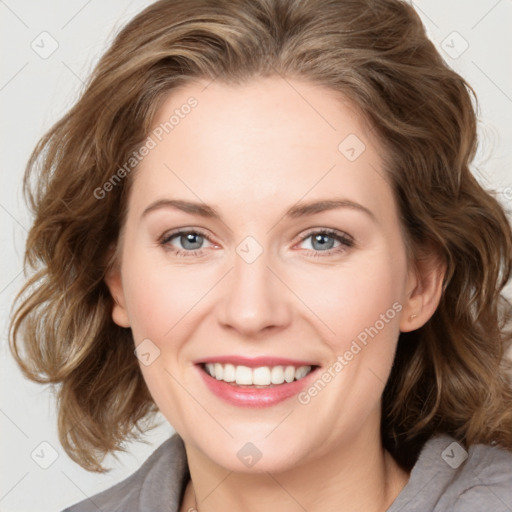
[323, 242]
[191, 242]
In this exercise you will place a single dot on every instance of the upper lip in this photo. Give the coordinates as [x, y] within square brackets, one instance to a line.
[255, 362]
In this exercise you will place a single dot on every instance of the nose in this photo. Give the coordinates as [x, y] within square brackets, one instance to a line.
[254, 298]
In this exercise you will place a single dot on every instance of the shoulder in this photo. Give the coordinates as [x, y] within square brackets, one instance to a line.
[159, 480]
[486, 480]
[447, 478]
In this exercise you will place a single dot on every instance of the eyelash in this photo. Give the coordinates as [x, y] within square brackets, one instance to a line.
[345, 242]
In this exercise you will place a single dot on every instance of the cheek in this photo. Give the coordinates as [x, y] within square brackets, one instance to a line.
[358, 302]
[160, 297]
[160, 301]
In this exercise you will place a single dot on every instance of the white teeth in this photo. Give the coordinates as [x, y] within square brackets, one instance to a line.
[243, 375]
[261, 376]
[289, 374]
[277, 375]
[219, 371]
[229, 373]
[302, 372]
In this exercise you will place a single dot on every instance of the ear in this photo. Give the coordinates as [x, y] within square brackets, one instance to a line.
[114, 282]
[424, 290]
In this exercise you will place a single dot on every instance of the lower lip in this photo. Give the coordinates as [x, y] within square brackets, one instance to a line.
[255, 397]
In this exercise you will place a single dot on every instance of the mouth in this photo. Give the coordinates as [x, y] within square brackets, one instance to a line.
[260, 382]
[259, 377]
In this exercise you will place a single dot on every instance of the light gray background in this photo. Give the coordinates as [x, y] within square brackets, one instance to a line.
[36, 89]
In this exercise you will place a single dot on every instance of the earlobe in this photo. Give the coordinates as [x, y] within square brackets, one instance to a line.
[425, 287]
[115, 285]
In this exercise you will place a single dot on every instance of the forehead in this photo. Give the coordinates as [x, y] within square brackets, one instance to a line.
[272, 139]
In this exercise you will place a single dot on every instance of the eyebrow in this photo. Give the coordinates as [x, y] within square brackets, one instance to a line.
[296, 211]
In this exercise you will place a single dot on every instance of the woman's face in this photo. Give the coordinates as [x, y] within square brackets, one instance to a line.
[292, 256]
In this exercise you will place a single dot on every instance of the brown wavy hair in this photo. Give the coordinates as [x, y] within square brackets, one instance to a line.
[448, 376]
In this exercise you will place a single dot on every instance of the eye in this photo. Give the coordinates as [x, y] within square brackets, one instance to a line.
[190, 242]
[323, 242]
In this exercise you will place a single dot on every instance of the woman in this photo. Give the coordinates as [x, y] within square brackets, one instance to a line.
[271, 202]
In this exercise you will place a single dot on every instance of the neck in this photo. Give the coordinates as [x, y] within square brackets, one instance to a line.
[356, 475]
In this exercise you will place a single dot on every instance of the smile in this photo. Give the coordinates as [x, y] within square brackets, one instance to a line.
[255, 382]
[261, 376]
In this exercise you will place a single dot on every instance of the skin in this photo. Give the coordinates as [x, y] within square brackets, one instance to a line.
[251, 152]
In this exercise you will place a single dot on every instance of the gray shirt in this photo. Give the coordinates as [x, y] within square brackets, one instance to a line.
[444, 479]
